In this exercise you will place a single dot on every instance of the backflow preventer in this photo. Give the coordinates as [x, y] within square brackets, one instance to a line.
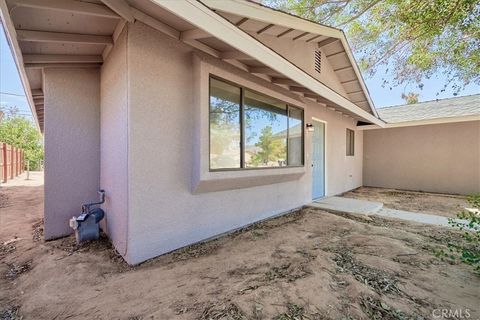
[86, 225]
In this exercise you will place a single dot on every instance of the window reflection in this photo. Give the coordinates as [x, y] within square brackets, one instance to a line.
[265, 131]
[224, 125]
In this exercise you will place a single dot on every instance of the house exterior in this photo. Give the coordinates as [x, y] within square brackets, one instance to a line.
[430, 146]
[196, 117]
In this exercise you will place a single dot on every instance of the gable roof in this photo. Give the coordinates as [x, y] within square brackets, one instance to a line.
[457, 107]
[91, 29]
[270, 21]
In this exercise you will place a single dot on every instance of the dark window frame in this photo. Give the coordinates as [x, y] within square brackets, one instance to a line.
[350, 143]
[242, 128]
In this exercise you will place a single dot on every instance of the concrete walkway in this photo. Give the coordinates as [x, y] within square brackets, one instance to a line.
[355, 206]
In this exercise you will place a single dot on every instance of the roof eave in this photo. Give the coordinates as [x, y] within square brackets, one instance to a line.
[259, 12]
[423, 122]
[11, 36]
[203, 17]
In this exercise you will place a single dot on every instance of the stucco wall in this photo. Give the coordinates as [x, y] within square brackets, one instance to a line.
[114, 142]
[343, 172]
[436, 158]
[165, 128]
[72, 145]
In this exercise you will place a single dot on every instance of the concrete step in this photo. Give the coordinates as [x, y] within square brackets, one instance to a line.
[348, 205]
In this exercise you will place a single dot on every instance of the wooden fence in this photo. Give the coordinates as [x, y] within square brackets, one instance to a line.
[12, 162]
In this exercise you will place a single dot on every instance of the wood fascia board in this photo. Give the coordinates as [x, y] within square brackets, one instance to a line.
[353, 62]
[11, 36]
[257, 12]
[202, 17]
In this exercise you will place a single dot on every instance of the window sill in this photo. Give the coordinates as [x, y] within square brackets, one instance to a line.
[239, 179]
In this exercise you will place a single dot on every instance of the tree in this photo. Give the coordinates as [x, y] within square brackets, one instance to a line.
[410, 98]
[272, 149]
[22, 133]
[411, 39]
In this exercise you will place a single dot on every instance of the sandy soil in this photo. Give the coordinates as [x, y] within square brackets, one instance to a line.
[307, 265]
[430, 203]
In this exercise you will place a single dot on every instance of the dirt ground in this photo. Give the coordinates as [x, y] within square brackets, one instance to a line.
[430, 203]
[307, 265]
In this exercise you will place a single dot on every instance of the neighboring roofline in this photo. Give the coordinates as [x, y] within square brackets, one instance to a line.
[256, 11]
[430, 101]
[203, 17]
[11, 35]
[422, 122]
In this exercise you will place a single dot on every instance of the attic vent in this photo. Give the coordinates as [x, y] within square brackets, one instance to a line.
[318, 61]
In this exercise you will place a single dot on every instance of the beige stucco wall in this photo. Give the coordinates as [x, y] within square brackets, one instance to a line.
[72, 145]
[343, 172]
[436, 158]
[167, 103]
[114, 142]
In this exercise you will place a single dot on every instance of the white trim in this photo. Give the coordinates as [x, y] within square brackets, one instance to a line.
[257, 12]
[10, 34]
[353, 62]
[202, 17]
[325, 163]
[423, 122]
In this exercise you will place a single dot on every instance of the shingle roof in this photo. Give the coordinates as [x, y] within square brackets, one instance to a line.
[445, 108]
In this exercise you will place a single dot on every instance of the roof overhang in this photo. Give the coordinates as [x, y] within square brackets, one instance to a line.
[10, 34]
[422, 122]
[200, 15]
[40, 38]
[259, 12]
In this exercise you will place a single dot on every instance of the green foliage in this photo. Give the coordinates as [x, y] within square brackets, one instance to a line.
[413, 39]
[273, 149]
[22, 133]
[410, 97]
[469, 250]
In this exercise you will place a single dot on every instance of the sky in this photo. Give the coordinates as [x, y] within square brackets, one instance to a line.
[12, 94]
[11, 89]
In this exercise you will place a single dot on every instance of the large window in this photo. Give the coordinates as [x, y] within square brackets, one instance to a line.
[251, 130]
